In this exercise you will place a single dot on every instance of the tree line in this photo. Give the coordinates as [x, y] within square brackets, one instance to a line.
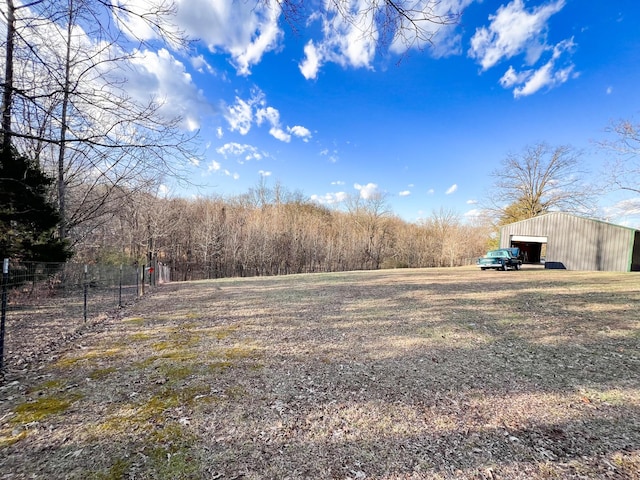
[271, 232]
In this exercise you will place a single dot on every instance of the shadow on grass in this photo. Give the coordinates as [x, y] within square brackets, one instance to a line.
[387, 375]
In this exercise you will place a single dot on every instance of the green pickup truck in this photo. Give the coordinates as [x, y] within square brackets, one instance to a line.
[501, 259]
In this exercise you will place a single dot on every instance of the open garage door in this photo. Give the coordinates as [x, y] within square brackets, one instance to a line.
[532, 248]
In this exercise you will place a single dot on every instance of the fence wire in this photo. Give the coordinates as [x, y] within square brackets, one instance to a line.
[44, 303]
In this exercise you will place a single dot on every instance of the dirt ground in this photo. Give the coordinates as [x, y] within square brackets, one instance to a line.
[395, 374]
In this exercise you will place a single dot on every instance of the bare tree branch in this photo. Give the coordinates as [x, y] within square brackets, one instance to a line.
[539, 180]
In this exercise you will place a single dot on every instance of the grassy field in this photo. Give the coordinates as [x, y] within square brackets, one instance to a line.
[402, 374]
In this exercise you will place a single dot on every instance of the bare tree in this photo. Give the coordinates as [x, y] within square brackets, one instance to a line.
[71, 110]
[539, 180]
[371, 217]
[623, 172]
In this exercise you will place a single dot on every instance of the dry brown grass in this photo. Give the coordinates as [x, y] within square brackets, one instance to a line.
[403, 374]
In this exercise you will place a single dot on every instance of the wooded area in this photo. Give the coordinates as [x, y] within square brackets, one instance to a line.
[270, 232]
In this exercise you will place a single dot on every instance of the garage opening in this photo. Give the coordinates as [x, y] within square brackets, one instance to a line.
[532, 249]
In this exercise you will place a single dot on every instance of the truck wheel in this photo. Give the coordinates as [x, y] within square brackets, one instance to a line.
[504, 267]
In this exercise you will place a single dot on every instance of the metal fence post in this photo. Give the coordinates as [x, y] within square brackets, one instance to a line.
[137, 280]
[3, 315]
[142, 277]
[120, 289]
[86, 290]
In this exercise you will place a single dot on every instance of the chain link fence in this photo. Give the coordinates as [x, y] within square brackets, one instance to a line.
[43, 304]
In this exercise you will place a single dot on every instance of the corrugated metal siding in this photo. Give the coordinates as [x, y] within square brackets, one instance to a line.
[578, 243]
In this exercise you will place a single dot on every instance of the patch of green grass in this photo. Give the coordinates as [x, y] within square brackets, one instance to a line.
[189, 395]
[139, 418]
[173, 437]
[139, 336]
[164, 345]
[171, 454]
[116, 471]
[240, 352]
[178, 372]
[101, 373]
[168, 449]
[215, 367]
[220, 333]
[612, 396]
[134, 320]
[42, 407]
[144, 364]
[51, 385]
[177, 340]
[11, 438]
[88, 357]
[627, 464]
[179, 355]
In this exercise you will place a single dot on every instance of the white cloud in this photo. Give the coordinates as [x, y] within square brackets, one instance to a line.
[548, 75]
[338, 182]
[451, 189]
[627, 207]
[244, 113]
[609, 90]
[330, 198]
[351, 35]
[200, 64]
[160, 76]
[244, 30]
[511, 77]
[264, 173]
[512, 31]
[350, 38]
[242, 152]
[301, 132]
[216, 167]
[366, 191]
[431, 191]
[311, 63]
[272, 116]
[472, 202]
[332, 156]
[404, 193]
[150, 75]
[545, 76]
[240, 116]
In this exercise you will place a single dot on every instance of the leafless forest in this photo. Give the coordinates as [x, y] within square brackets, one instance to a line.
[267, 232]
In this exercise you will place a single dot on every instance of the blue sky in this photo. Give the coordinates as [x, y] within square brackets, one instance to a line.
[330, 113]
